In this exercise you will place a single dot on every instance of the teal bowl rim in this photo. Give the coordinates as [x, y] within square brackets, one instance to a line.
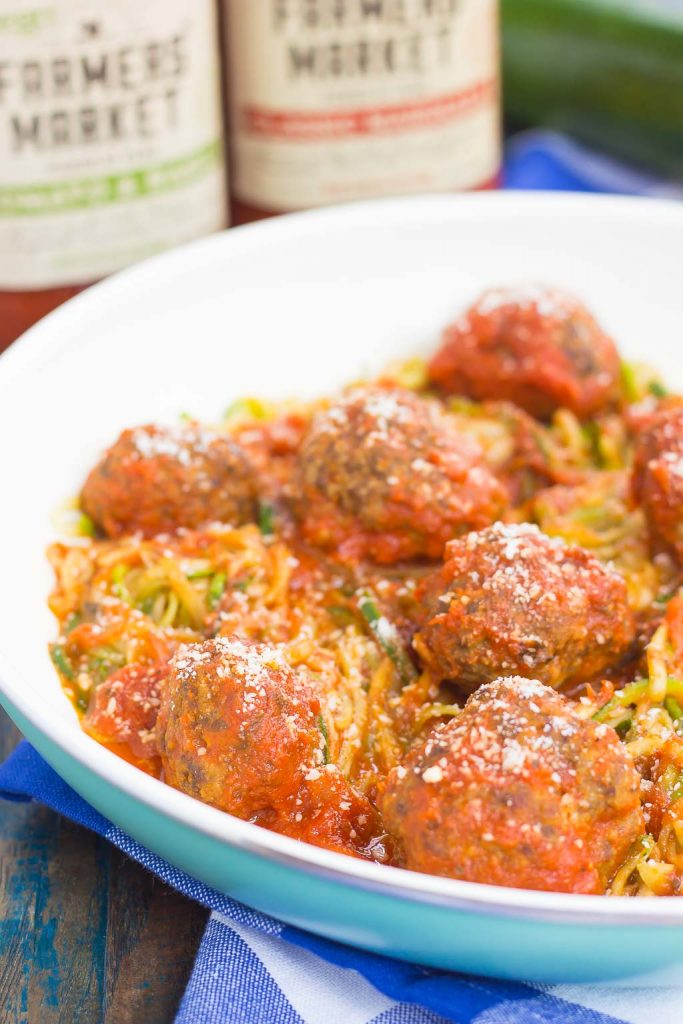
[346, 871]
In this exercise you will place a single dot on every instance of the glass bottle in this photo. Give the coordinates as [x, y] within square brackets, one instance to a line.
[111, 142]
[334, 100]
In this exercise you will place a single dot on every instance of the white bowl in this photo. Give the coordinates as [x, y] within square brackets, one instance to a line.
[299, 306]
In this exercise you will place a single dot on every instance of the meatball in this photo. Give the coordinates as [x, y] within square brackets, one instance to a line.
[658, 478]
[509, 599]
[238, 728]
[155, 480]
[518, 790]
[383, 475]
[538, 348]
[661, 769]
[123, 709]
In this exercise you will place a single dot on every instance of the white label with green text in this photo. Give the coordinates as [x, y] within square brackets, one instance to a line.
[110, 135]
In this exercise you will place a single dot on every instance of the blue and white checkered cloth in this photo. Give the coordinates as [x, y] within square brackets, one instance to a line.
[252, 969]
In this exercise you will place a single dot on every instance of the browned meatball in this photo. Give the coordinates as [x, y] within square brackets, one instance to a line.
[155, 480]
[538, 348]
[519, 791]
[123, 710]
[509, 599]
[240, 729]
[383, 475]
[658, 478]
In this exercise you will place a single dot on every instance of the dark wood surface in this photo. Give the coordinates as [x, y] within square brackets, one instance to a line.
[86, 935]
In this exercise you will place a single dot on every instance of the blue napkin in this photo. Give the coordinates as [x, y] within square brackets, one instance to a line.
[546, 160]
[256, 970]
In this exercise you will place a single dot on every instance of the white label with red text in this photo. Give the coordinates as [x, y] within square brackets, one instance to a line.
[110, 135]
[334, 100]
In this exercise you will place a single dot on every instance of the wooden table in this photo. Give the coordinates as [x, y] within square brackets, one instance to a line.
[90, 937]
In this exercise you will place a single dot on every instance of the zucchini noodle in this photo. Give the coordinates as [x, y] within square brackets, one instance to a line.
[648, 715]
[133, 601]
[125, 602]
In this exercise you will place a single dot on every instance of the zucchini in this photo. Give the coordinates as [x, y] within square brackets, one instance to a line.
[266, 519]
[387, 637]
[608, 72]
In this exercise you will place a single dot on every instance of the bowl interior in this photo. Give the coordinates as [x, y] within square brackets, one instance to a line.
[296, 307]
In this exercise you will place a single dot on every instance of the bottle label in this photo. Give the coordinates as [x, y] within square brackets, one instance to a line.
[110, 135]
[344, 99]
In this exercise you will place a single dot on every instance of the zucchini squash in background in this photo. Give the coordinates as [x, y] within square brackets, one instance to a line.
[608, 72]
